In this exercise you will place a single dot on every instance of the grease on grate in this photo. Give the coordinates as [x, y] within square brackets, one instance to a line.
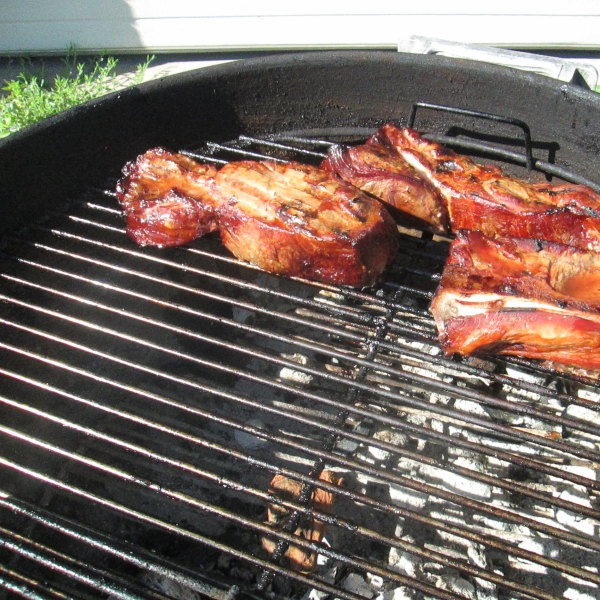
[297, 558]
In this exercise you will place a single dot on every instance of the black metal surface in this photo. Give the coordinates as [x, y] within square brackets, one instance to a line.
[147, 398]
[480, 115]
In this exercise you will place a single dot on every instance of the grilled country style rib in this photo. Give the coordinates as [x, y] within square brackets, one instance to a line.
[521, 297]
[376, 168]
[290, 219]
[297, 220]
[167, 198]
[483, 198]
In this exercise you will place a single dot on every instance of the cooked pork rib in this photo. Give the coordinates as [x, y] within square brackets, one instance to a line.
[297, 220]
[167, 198]
[289, 219]
[377, 169]
[521, 297]
[482, 198]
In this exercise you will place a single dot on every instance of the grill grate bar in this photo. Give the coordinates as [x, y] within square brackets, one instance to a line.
[210, 274]
[23, 586]
[26, 587]
[275, 469]
[318, 424]
[65, 565]
[452, 413]
[136, 556]
[319, 464]
[417, 333]
[117, 507]
[103, 207]
[213, 147]
[292, 318]
[88, 574]
[581, 452]
[244, 139]
[395, 509]
[464, 368]
[382, 302]
[395, 422]
[312, 141]
[214, 593]
[389, 477]
[265, 529]
[224, 481]
[349, 292]
[215, 510]
[361, 134]
[241, 456]
[94, 223]
[206, 157]
[232, 484]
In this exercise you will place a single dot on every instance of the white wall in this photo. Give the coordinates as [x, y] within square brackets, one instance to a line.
[50, 26]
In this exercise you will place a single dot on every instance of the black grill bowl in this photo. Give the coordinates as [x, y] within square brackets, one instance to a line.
[149, 397]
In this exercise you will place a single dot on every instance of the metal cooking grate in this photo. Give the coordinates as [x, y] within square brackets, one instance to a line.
[148, 398]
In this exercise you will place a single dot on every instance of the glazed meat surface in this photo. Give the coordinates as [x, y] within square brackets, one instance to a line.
[289, 219]
[297, 220]
[167, 198]
[522, 297]
[376, 168]
[482, 198]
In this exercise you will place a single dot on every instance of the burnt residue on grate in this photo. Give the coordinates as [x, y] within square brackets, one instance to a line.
[150, 398]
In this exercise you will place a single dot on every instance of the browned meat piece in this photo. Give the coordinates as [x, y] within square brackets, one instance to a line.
[376, 168]
[289, 219]
[298, 558]
[521, 297]
[167, 198]
[297, 220]
[482, 198]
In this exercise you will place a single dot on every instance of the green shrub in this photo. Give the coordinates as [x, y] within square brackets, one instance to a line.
[28, 98]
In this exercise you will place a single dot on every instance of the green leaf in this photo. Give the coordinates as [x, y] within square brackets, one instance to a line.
[28, 99]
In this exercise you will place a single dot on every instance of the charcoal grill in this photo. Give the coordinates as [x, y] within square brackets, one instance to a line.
[148, 397]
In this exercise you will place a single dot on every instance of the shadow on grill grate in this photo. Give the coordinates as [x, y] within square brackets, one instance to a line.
[176, 423]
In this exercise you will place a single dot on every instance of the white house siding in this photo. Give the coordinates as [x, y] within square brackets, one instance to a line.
[130, 26]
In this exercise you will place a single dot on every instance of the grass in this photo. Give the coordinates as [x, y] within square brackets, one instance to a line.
[29, 98]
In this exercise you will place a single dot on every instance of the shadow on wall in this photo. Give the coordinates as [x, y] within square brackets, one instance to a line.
[36, 36]
[52, 26]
